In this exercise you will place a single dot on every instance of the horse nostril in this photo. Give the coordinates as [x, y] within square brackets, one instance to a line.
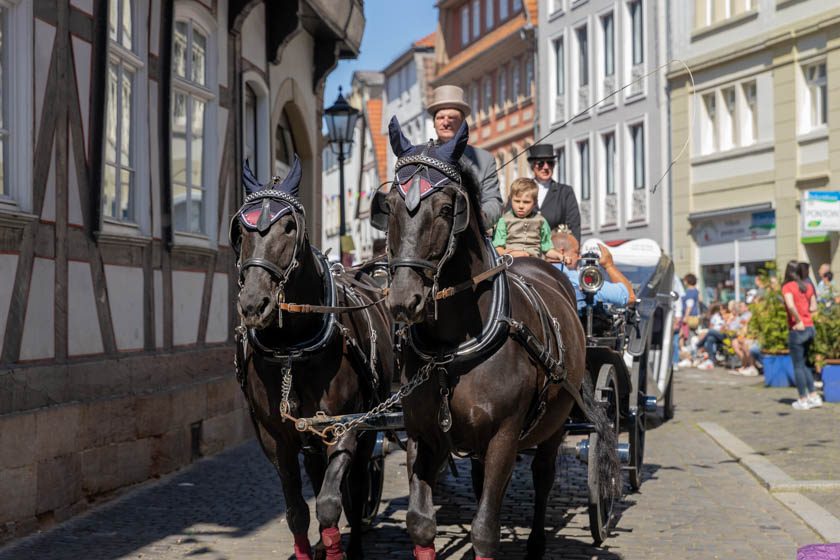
[264, 305]
[416, 304]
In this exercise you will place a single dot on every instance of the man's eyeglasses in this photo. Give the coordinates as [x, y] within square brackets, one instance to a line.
[543, 163]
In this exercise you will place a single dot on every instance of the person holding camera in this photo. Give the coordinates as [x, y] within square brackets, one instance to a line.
[617, 291]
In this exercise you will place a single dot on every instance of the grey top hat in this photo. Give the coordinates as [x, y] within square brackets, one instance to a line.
[541, 152]
[448, 97]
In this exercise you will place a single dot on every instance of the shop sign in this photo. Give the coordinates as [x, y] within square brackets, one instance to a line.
[820, 211]
[754, 225]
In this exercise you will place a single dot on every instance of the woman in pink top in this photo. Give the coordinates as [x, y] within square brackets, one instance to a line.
[800, 302]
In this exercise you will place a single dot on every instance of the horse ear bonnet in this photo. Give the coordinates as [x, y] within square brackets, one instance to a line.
[265, 204]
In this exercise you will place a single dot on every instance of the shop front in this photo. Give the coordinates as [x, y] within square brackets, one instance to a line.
[734, 246]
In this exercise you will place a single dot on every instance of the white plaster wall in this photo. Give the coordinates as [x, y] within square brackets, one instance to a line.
[158, 279]
[187, 288]
[43, 54]
[813, 152]
[84, 5]
[125, 296]
[81, 57]
[39, 327]
[217, 320]
[733, 166]
[8, 269]
[83, 333]
[253, 36]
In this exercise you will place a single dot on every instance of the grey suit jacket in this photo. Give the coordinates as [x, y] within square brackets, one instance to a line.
[483, 166]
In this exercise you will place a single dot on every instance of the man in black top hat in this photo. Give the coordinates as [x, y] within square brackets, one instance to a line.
[557, 202]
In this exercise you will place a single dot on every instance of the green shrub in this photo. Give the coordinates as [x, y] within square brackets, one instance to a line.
[768, 324]
[827, 342]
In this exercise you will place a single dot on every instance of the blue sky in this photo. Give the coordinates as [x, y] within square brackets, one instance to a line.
[390, 28]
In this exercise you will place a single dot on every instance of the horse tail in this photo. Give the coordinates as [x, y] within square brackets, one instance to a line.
[609, 469]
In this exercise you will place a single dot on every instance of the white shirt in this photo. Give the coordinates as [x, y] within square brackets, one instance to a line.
[543, 190]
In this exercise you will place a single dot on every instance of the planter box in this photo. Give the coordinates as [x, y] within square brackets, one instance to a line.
[778, 370]
[831, 382]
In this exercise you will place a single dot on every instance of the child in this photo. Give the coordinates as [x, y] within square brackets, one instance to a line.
[522, 231]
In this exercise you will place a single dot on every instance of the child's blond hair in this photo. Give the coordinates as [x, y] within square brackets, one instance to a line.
[524, 185]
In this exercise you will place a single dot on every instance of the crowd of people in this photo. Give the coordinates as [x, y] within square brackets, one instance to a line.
[718, 335]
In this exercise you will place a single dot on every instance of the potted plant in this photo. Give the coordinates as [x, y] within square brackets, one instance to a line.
[769, 327]
[827, 349]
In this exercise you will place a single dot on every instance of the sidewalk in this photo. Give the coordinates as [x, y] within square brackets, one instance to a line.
[805, 445]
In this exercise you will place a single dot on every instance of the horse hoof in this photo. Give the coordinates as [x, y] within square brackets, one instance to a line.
[536, 547]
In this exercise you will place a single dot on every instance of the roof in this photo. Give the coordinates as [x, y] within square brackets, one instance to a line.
[380, 142]
[370, 77]
[427, 41]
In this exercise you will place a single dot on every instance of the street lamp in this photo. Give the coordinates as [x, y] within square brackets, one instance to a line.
[341, 123]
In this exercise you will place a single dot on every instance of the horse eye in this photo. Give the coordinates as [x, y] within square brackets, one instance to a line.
[290, 226]
[446, 211]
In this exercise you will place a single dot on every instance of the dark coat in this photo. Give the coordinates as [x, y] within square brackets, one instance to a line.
[561, 207]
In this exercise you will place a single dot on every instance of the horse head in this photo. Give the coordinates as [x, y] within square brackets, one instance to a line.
[268, 234]
[426, 208]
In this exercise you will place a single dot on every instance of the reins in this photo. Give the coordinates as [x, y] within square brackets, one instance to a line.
[503, 265]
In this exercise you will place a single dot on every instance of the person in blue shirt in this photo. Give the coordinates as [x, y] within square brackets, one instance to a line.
[617, 291]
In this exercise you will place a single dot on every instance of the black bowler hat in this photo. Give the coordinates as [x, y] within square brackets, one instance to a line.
[540, 152]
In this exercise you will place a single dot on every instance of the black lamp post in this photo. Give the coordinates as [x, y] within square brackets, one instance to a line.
[341, 123]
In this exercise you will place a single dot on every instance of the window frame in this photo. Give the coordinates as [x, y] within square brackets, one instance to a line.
[263, 169]
[561, 167]
[634, 147]
[475, 29]
[816, 90]
[465, 24]
[559, 65]
[584, 168]
[17, 194]
[583, 54]
[489, 16]
[609, 162]
[749, 118]
[608, 60]
[637, 41]
[200, 18]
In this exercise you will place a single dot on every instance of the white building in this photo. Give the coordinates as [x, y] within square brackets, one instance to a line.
[612, 149]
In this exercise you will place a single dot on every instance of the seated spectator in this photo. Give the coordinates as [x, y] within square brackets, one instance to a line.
[617, 291]
[713, 337]
[825, 287]
[522, 231]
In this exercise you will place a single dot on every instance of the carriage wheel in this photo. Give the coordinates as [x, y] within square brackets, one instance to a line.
[375, 481]
[601, 508]
[637, 429]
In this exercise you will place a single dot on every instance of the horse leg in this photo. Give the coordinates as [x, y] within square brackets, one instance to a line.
[423, 463]
[328, 503]
[356, 491]
[316, 466]
[477, 476]
[543, 469]
[498, 466]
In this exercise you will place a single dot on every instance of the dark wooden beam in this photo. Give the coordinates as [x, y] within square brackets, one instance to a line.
[98, 99]
[281, 22]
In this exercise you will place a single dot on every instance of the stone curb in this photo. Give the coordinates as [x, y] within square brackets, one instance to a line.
[781, 485]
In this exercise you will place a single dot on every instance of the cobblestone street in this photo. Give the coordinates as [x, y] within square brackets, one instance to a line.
[696, 502]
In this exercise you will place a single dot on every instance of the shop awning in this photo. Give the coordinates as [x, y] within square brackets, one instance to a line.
[749, 208]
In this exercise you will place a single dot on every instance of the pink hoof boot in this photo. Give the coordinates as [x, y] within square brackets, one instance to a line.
[303, 551]
[424, 552]
[483, 558]
[331, 537]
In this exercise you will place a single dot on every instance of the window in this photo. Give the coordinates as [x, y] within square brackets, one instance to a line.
[583, 156]
[709, 131]
[119, 177]
[488, 95]
[749, 126]
[488, 14]
[529, 76]
[515, 82]
[476, 18]
[609, 44]
[583, 57]
[517, 6]
[502, 75]
[817, 94]
[609, 162]
[189, 102]
[560, 166]
[637, 138]
[637, 30]
[503, 10]
[465, 25]
[560, 67]
[728, 121]
[474, 99]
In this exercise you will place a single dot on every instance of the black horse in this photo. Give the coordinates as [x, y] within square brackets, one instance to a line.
[496, 348]
[294, 365]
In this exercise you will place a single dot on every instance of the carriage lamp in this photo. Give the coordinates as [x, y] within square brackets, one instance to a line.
[591, 279]
[341, 120]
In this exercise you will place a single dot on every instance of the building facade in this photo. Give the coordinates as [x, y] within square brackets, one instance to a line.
[487, 47]
[123, 126]
[603, 105]
[762, 129]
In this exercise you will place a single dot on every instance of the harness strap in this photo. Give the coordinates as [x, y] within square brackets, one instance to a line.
[472, 282]
[307, 308]
[366, 287]
[262, 263]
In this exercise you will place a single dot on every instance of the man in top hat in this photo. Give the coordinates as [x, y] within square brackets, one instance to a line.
[448, 109]
[556, 201]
